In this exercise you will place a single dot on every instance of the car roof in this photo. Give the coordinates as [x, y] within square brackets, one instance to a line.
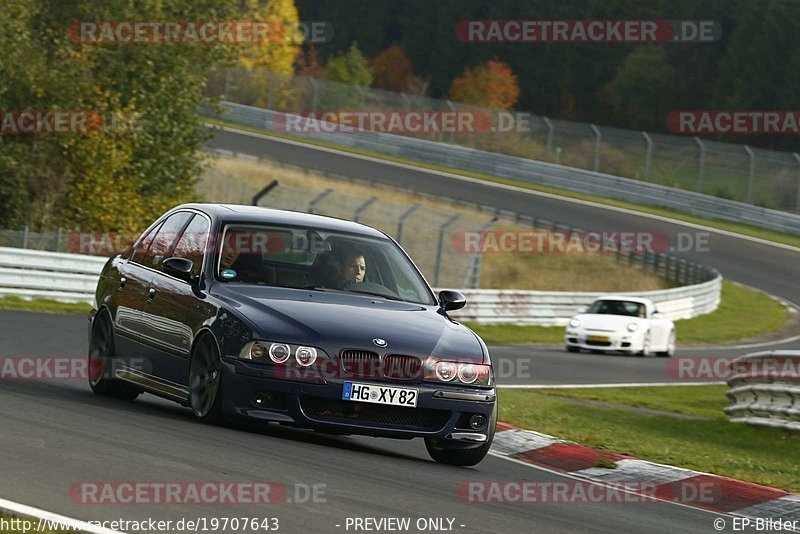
[640, 300]
[258, 214]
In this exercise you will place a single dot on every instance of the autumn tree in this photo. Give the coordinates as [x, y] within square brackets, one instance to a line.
[350, 68]
[491, 85]
[391, 70]
[279, 52]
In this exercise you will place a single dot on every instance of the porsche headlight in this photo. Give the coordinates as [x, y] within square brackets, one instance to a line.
[574, 323]
[633, 327]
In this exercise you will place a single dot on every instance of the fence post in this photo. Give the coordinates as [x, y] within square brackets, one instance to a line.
[549, 134]
[475, 264]
[402, 221]
[453, 110]
[440, 247]
[752, 173]
[648, 161]
[599, 136]
[25, 233]
[58, 239]
[316, 200]
[797, 206]
[269, 92]
[363, 207]
[227, 83]
[406, 100]
[701, 165]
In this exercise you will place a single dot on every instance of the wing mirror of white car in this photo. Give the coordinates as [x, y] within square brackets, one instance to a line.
[658, 315]
[580, 310]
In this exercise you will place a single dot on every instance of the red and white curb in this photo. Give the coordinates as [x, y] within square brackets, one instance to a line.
[731, 496]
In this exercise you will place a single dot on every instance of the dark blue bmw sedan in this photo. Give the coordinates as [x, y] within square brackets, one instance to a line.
[251, 313]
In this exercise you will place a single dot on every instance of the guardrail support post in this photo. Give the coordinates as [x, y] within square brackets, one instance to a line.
[599, 136]
[25, 233]
[797, 206]
[648, 158]
[316, 200]
[58, 239]
[440, 247]
[701, 165]
[363, 207]
[752, 173]
[402, 221]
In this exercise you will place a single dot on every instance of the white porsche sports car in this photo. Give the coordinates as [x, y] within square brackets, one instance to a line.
[623, 324]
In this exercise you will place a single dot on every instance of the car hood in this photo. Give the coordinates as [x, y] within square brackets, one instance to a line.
[595, 321]
[334, 321]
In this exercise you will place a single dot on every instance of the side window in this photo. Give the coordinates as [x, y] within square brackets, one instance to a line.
[144, 245]
[165, 239]
[192, 243]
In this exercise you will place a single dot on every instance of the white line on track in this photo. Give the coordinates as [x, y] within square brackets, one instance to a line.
[57, 521]
[514, 188]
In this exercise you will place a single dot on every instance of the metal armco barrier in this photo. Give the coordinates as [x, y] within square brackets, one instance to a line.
[49, 275]
[73, 278]
[554, 308]
[532, 171]
[765, 389]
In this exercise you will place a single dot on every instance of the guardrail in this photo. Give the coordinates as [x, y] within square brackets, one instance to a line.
[49, 275]
[765, 389]
[531, 171]
[554, 308]
[73, 278]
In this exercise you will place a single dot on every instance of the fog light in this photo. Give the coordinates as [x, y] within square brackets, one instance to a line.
[305, 356]
[262, 399]
[477, 421]
[279, 352]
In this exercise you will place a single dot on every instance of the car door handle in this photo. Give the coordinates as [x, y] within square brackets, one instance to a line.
[151, 293]
[122, 283]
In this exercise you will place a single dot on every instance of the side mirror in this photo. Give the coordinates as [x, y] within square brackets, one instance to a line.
[179, 268]
[451, 300]
[658, 315]
[581, 310]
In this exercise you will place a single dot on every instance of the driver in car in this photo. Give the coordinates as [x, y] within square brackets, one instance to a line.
[352, 269]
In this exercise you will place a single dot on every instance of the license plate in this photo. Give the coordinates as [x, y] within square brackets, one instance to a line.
[597, 338]
[376, 394]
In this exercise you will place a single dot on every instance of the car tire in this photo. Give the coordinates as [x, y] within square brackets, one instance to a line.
[570, 348]
[205, 382]
[453, 453]
[101, 356]
[670, 352]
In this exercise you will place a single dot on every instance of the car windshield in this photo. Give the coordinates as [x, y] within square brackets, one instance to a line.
[618, 307]
[306, 258]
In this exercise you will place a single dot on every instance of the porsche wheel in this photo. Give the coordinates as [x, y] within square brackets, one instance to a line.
[670, 352]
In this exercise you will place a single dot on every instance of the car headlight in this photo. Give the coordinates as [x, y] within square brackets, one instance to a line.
[633, 327]
[280, 353]
[574, 323]
[470, 374]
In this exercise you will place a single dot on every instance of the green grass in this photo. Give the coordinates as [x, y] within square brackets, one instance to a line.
[726, 324]
[43, 305]
[744, 229]
[762, 455]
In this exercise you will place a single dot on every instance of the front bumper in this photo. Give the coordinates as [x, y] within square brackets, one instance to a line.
[614, 341]
[258, 392]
